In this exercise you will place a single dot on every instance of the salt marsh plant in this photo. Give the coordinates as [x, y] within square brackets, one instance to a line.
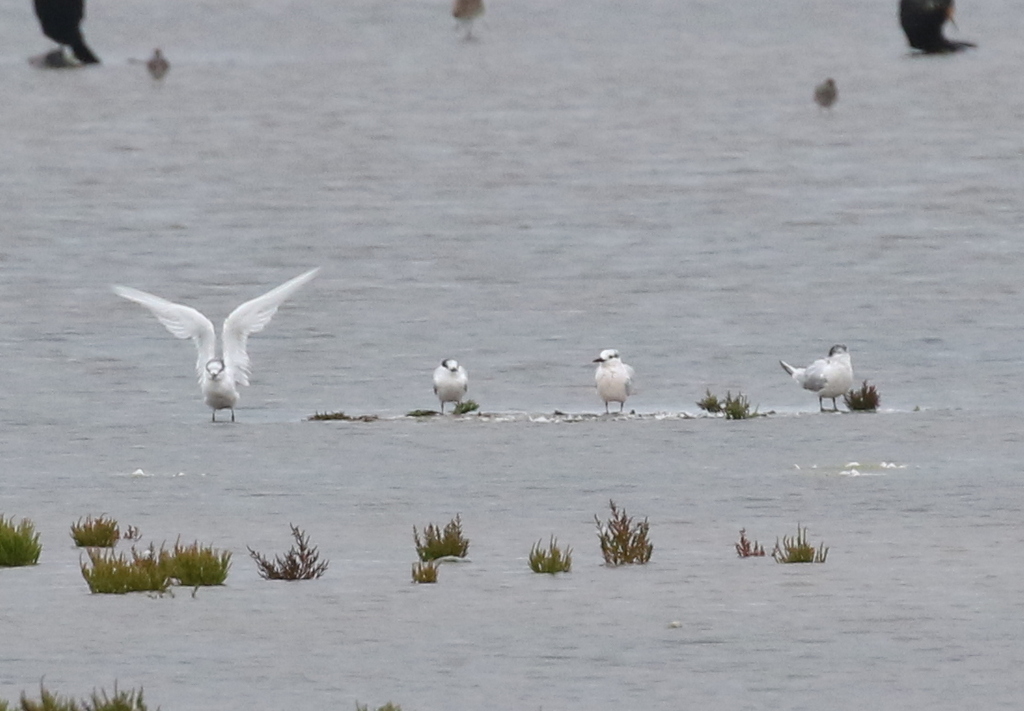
[196, 565]
[438, 543]
[798, 550]
[99, 701]
[102, 532]
[710, 403]
[737, 408]
[19, 544]
[866, 399]
[425, 572]
[461, 408]
[325, 416]
[550, 560]
[386, 707]
[422, 413]
[119, 573]
[302, 562]
[746, 549]
[622, 541]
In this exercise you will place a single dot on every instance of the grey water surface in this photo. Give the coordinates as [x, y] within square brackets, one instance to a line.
[653, 177]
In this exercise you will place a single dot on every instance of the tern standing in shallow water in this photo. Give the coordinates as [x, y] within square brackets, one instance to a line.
[614, 378]
[826, 377]
[219, 376]
[451, 381]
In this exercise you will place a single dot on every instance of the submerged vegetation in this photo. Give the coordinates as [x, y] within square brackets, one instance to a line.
[737, 408]
[102, 532]
[425, 572]
[386, 707]
[19, 544]
[798, 550]
[866, 399]
[301, 562]
[622, 541]
[99, 701]
[438, 543]
[422, 413]
[551, 560]
[746, 549]
[462, 408]
[710, 403]
[325, 416]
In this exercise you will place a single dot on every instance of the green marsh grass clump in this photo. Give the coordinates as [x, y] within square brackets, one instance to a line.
[461, 408]
[551, 560]
[622, 541]
[326, 416]
[737, 408]
[865, 400]
[19, 544]
[196, 565]
[746, 549]
[119, 573]
[798, 550]
[438, 543]
[102, 532]
[422, 413]
[710, 403]
[386, 707]
[99, 701]
[301, 562]
[425, 572]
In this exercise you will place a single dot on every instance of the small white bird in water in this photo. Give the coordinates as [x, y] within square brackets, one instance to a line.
[826, 377]
[158, 65]
[219, 376]
[826, 93]
[451, 381]
[614, 378]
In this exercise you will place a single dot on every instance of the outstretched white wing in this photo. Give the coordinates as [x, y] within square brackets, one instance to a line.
[250, 318]
[182, 321]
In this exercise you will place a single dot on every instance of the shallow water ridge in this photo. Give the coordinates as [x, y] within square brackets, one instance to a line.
[659, 182]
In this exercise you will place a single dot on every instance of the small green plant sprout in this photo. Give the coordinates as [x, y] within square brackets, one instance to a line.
[461, 408]
[386, 707]
[196, 565]
[19, 544]
[302, 562]
[737, 408]
[113, 573]
[866, 399]
[102, 532]
[437, 543]
[425, 572]
[48, 701]
[746, 549]
[622, 541]
[710, 403]
[798, 550]
[551, 560]
[325, 416]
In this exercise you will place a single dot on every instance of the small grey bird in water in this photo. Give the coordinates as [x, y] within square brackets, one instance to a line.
[825, 94]
[158, 65]
[219, 376]
[614, 378]
[451, 381]
[826, 377]
[465, 11]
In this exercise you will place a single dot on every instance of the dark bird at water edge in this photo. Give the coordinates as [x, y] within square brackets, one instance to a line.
[61, 20]
[922, 22]
[826, 93]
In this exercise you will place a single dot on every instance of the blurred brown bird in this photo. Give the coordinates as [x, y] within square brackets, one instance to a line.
[465, 11]
[158, 65]
[825, 94]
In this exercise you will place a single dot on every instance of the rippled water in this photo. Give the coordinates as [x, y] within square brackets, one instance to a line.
[583, 176]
